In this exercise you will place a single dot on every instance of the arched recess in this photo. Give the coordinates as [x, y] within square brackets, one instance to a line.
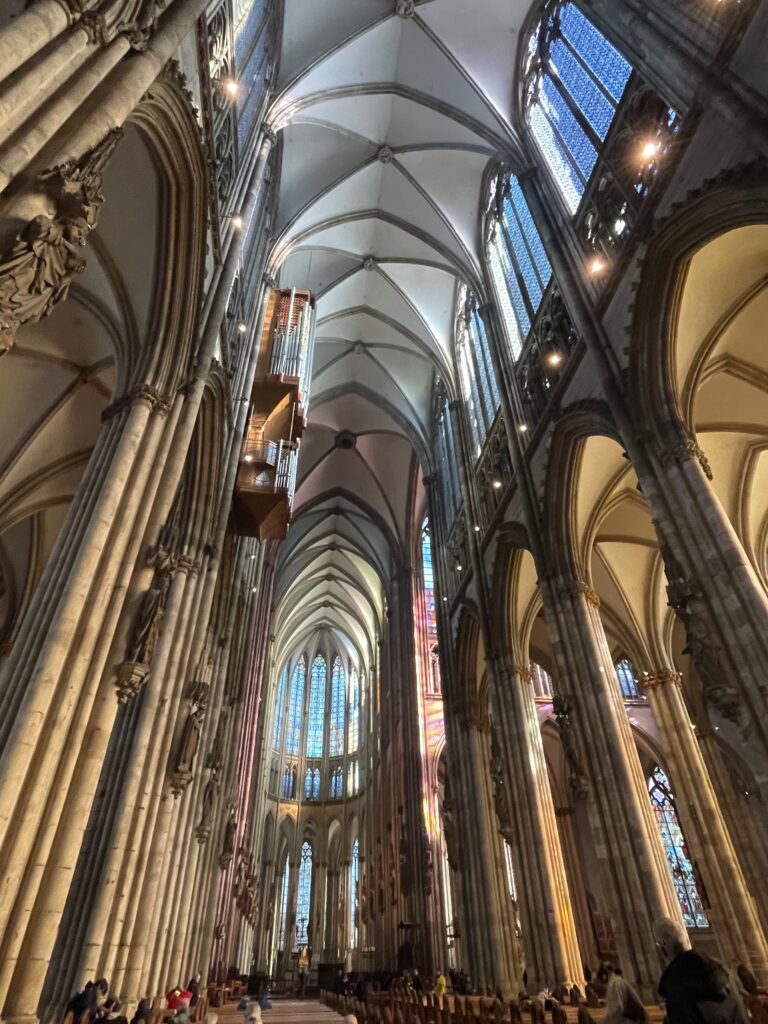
[699, 369]
[130, 318]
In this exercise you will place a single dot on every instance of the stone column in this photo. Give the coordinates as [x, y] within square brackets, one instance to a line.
[527, 817]
[735, 921]
[605, 770]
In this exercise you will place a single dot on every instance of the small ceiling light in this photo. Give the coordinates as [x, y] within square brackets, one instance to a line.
[242, 328]
[523, 428]
[253, 556]
[650, 150]
[445, 598]
[459, 568]
[619, 226]
[555, 358]
[254, 589]
[248, 458]
[231, 87]
[497, 484]
[477, 529]
[237, 222]
[596, 266]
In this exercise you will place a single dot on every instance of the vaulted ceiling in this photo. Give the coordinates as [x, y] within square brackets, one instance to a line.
[388, 127]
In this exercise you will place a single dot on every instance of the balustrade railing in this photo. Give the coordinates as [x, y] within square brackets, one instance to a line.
[269, 466]
[494, 471]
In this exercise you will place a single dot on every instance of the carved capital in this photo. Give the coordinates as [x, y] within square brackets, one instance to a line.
[369, 263]
[269, 281]
[664, 677]
[577, 588]
[179, 782]
[385, 155]
[405, 8]
[143, 393]
[190, 566]
[683, 451]
[131, 677]
[268, 133]
[94, 25]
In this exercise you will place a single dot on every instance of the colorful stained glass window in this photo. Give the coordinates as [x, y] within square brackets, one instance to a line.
[338, 696]
[312, 784]
[542, 681]
[576, 80]
[316, 715]
[625, 673]
[304, 895]
[680, 865]
[296, 708]
[353, 778]
[287, 781]
[280, 707]
[478, 380]
[337, 783]
[354, 882]
[354, 711]
[446, 464]
[283, 923]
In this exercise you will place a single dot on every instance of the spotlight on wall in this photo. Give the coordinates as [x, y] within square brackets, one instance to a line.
[596, 266]
[459, 568]
[231, 87]
[555, 358]
[650, 150]
[497, 484]
[237, 222]
[477, 529]
[248, 458]
[242, 328]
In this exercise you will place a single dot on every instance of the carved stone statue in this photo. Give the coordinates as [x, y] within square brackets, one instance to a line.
[687, 601]
[449, 831]
[211, 791]
[562, 707]
[406, 875]
[190, 736]
[499, 788]
[228, 845]
[147, 628]
[429, 866]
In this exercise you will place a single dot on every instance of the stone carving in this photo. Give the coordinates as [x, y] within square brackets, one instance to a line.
[575, 588]
[499, 789]
[385, 155]
[139, 22]
[429, 865]
[687, 601]
[190, 736]
[563, 707]
[38, 269]
[406, 875]
[369, 263]
[677, 454]
[405, 8]
[449, 831]
[228, 845]
[133, 672]
[268, 133]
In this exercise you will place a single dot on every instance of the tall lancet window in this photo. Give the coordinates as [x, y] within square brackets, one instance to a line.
[517, 259]
[676, 849]
[430, 624]
[280, 707]
[354, 711]
[304, 895]
[316, 717]
[447, 471]
[282, 926]
[338, 696]
[478, 380]
[574, 81]
[354, 895]
[296, 708]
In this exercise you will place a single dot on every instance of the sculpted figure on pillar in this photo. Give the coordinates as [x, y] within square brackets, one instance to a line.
[688, 603]
[190, 736]
[214, 763]
[132, 673]
[563, 707]
[406, 878]
[499, 789]
[429, 867]
[228, 845]
[38, 269]
[449, 830]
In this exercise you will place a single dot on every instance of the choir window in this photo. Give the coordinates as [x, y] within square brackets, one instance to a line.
[304, 894]
[316, 717]
[338, 696]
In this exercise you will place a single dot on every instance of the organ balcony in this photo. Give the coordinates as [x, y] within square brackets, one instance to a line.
[284, 367]
[266, 480]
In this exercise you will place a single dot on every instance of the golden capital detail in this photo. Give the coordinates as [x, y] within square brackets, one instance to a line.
[142, 393]
[578, 588]
[688, 448]
[664, 677]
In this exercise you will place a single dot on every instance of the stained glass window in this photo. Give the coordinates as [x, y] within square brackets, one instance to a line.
[304, 894]
[510, 871]
[337, 783]
[625, 672]
[683, 875]
[316, 716]
[354, 711]
[429, 603]
[338, 695]
[312, 784]
[542, 681]
[446, 464]
[575, 80]
[478, 380]
[253, 42]
[283, 923]
[296, 708]
[353, 778]
[520, 267]
[354, 880]
[280, 707]
[289, 774]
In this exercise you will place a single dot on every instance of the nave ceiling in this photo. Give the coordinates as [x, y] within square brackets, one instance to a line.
[389, 126]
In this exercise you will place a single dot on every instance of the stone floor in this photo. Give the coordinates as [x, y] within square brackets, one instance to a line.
[284, 1011]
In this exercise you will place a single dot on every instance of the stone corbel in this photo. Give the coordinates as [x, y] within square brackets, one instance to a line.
[684, 450]
[575, 588]
[664, 677]
[131, 677]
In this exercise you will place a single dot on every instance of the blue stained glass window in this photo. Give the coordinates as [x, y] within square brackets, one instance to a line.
[471, 398]
[354, 711]
[513, 289]
[280, 707]
[296, 708]
[522, 255]
[502, 293]
[480, 334]
[283, 924]
[338, 696]
[337, 783]
[569, 129]
[561, 166]
[592, 101]
[289, 781]
[532, 236]
[680, 865]
[248, 19]
[312, 784]
[625, 672]
[603, 59]
[354, 881]
[316, 784]
[304, 895]
[353, 778]
[316, 717]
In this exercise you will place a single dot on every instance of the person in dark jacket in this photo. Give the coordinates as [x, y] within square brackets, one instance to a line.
[84, 1005]
[695, 989]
